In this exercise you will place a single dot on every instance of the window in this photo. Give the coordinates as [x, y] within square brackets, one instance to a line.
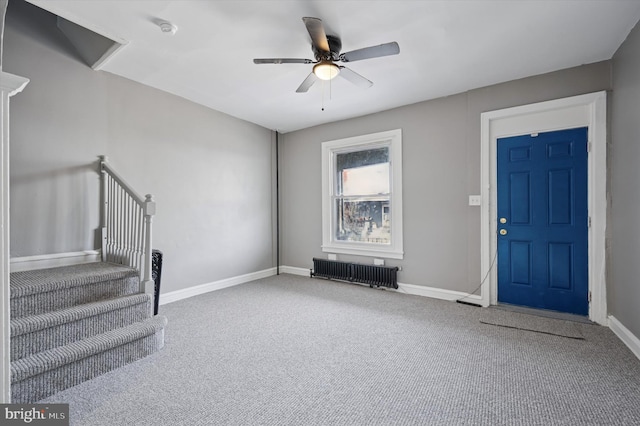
[362, 195]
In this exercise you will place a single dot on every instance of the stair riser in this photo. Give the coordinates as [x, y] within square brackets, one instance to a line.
[40, 303]
[43, 385]
[62, 334]
[71, 324]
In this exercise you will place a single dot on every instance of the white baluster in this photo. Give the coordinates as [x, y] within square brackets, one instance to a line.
[127, 222]
[104, 208]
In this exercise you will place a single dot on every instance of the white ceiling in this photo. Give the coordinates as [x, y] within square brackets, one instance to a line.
[446, 47]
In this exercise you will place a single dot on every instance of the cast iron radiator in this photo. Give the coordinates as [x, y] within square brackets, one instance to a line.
[374, 275]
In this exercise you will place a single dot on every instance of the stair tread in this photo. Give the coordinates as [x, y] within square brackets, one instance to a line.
[38, 363]
[25, 283]
[30, 324]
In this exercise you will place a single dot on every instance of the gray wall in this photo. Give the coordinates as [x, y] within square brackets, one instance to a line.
[624, 268]
[3, 11]
[210, 173]
[441, 168]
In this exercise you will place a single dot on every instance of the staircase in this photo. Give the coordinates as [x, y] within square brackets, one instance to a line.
[72, 323]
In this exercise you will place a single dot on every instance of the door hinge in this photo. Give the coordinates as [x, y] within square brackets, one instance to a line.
[588, 146]
[589, 220]
[589, 297]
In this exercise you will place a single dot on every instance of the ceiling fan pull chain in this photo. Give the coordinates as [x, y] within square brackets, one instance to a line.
[330, 86]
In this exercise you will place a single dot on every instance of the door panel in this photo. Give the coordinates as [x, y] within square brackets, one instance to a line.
[560, 197]
[543, 221]
[560, 265]
[520, 262]
[520, 198]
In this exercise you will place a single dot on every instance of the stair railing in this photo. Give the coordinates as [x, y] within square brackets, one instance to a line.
[126, 220]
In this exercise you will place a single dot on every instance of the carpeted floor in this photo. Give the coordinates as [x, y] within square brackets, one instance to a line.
[530, 323]
[295, 351]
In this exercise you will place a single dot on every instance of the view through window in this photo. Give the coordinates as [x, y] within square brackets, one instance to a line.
[362, 196]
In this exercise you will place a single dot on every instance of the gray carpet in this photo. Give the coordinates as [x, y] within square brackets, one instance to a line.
[297, 351]
[532, 323]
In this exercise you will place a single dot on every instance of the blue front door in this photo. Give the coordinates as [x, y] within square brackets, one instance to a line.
[543, 221]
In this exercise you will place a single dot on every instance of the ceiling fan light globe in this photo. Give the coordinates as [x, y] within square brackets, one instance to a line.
[326, 70]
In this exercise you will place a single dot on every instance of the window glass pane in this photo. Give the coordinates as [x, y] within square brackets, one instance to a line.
[366, 180]
[366, 157]
[364, 172]
[363, 220]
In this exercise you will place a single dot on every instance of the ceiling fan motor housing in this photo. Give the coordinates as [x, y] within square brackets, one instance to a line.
[335, 46]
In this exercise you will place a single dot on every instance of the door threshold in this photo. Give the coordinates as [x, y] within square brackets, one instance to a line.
[543, 313]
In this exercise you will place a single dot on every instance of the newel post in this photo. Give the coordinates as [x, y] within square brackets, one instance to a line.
[103, 207]
[147, 285]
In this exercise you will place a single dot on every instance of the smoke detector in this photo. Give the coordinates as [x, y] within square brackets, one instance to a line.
[167, 27]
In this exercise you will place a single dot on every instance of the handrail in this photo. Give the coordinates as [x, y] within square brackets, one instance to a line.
[115, 176]
[126, 224]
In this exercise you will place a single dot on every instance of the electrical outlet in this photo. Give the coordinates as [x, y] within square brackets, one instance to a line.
[332, 256]
[475, 200]
[379, 262]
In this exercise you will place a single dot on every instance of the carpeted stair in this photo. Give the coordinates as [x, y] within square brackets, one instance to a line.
[73, 323]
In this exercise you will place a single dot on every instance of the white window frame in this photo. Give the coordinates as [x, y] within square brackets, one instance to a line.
[392, 139]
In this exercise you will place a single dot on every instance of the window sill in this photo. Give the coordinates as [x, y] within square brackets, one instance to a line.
[364, 251]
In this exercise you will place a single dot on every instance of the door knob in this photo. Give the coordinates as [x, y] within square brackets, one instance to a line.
[503, 232]
[503, 220]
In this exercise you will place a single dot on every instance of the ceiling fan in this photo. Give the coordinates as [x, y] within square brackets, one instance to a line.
[326, 49]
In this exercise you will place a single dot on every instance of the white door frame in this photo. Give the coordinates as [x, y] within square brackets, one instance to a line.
[9, 85]
[578, 111]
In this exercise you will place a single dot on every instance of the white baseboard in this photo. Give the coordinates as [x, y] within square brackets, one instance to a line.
[28, 263]
[294, 271]
[624, 334]
[438, 293]
[417, 290]
[174, 296]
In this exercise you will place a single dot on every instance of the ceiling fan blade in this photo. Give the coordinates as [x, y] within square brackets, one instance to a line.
[282, 61]
[355, 78]
[307, 83]
[371, 52]
[316, 31]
